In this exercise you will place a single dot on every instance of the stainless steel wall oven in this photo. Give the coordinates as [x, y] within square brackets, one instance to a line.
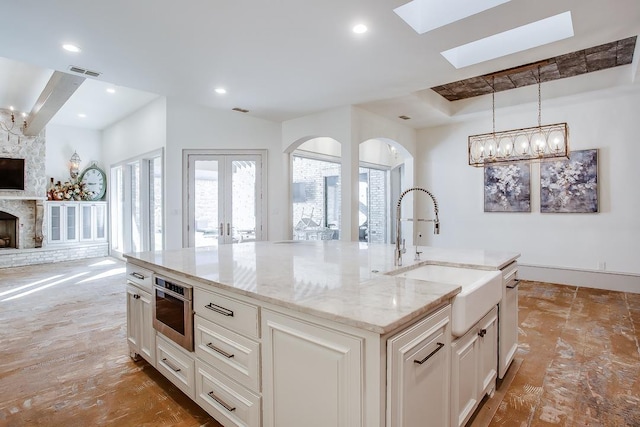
[173, 311]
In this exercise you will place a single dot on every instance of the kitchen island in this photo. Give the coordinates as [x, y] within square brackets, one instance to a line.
[308, 333]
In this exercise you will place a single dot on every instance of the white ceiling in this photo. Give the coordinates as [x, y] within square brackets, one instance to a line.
[283, 59]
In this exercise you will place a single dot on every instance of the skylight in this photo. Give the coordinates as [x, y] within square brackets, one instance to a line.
[427, 15]
[528, 36]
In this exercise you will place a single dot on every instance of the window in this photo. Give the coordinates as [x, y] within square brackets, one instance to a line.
[136, 204]
[316, 199]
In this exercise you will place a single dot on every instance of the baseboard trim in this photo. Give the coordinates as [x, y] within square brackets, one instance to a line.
[612, 281]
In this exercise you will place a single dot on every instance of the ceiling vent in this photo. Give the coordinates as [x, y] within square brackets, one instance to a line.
[242, 110]
[80, 70]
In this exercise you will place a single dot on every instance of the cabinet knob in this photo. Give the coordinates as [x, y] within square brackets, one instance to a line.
[482, 333]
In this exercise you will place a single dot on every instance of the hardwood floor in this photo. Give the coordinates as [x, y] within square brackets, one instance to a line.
[64, 357]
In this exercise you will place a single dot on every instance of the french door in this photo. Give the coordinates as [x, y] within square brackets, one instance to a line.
[224, 192]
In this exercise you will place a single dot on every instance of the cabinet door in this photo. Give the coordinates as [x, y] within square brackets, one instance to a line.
[55, 223]
[71, 223]
[133, 321]
[488, 354]
[147, 333]
[418, 373]
[100, 221]
[312, 374]
[464, 378]
[140, 333]
[86, 229]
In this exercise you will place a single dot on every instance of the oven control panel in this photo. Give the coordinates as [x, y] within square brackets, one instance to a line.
[178, 289]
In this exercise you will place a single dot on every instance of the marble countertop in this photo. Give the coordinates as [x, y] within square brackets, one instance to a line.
[347, 282]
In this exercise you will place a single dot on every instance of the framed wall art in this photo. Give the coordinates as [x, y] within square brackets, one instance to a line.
[507, 188]
[570, 185]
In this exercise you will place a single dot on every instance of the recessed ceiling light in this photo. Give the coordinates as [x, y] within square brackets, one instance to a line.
[360, 29]
[528, 36]
[82, 115]
[220, 90]
[427, 15]
[111, 90]
[71, 48]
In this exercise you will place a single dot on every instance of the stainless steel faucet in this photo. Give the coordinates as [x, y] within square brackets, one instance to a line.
[397, 259]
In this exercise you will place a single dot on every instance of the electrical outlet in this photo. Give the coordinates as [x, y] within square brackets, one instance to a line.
[602, 265]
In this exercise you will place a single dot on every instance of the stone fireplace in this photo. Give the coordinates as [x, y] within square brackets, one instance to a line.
[22, 211]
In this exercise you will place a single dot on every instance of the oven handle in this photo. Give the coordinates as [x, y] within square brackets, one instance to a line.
[218, 309]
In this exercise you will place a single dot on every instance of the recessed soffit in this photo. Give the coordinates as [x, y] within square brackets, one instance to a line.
[584, 61]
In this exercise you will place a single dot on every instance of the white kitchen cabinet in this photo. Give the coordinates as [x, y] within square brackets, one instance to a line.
[63, 222]
[508, 318]
[231, 404]
[176, 364]
[140, 333]
[418, 362]
[93, 221]
[474, 367]
[72, 222]
[298, 355]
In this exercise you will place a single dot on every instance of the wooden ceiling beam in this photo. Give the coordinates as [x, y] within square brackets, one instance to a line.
[58, 90]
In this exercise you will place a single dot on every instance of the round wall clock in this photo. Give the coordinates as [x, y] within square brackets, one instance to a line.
[95, 180]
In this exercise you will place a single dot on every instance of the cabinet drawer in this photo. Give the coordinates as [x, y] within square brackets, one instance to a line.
[176, 364]
[233, 354]
[227, 401]
[231, 313]
[140, 276]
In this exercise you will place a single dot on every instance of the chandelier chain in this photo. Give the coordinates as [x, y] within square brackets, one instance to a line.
[493, 102]
[539, 100]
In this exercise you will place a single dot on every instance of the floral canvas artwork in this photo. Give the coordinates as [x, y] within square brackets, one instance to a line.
[507, 188]
[570, 185]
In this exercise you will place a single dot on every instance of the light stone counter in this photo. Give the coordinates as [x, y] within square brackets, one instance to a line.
[340, 281]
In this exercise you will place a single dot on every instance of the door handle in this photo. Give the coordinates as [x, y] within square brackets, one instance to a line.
[221, 230]
[228, 229]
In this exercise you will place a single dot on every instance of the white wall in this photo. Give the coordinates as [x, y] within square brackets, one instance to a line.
[62, 141]
[141, 132]
[194, 127]
[608, 121]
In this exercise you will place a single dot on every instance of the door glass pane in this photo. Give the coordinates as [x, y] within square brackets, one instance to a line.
[206, 199]
[71, 222]
[86, 222]
[136, 217]
[155, 202]
[56, 221]
[243, 200]
[100, 221]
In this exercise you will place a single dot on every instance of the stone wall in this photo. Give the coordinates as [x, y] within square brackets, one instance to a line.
[52, 254]
[25, 204]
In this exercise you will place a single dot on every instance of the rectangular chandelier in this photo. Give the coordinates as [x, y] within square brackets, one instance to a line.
[537, 143]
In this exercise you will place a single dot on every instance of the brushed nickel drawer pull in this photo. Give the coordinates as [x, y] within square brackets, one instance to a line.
[517, 282]
[219, 350]
[166, 362]
[420, 362]
[217, 399]
[211, 306]
[137, 276]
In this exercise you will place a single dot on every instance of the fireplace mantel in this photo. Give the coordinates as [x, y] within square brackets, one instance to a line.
[22, 198]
